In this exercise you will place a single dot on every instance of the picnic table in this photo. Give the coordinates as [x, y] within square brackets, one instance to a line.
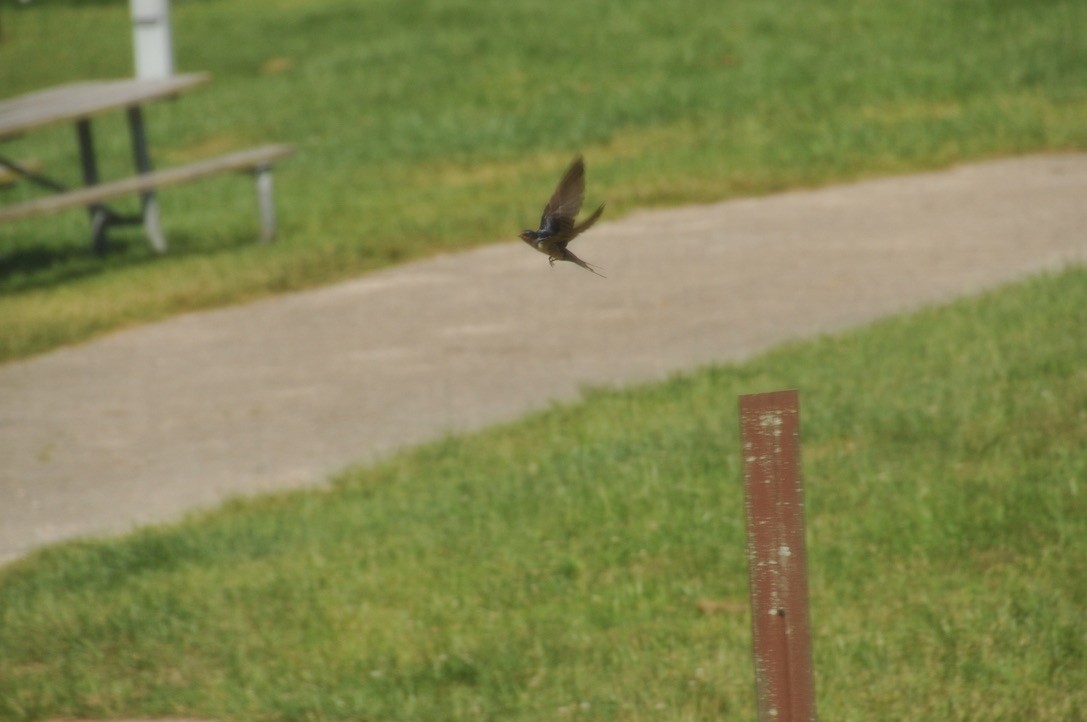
[79, 103]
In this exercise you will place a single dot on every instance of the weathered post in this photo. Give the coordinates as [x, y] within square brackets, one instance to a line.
[777, 556]
[152, 39]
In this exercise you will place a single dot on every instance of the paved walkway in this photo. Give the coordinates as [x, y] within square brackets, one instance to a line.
[142, 425]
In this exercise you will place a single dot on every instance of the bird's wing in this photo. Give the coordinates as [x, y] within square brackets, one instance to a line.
[566, 201]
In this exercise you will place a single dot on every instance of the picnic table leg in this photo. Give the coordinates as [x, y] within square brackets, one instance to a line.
[36, 178]
[263, 175]
[149, 205]
[98, 212]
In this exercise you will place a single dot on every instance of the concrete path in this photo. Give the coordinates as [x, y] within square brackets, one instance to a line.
[140, 426]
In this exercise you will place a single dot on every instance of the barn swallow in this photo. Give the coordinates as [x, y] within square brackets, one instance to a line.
[557, 226]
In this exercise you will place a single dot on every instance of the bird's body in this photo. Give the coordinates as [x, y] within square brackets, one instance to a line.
[557, 226]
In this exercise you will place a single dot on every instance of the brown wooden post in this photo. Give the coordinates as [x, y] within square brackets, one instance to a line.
[777, 556]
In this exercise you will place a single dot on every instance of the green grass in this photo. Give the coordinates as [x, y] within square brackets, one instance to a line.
[552, 568]
[431, 125]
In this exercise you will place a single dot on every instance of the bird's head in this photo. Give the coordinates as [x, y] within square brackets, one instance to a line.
[528, 235]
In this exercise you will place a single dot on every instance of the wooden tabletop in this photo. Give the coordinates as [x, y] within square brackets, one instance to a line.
[77, 101]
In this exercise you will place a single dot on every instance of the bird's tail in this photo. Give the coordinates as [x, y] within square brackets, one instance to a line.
[584, 226]
[587, 266]
[578, 230]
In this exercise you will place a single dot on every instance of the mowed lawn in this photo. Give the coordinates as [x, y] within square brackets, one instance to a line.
[429, 125]
[588, 562]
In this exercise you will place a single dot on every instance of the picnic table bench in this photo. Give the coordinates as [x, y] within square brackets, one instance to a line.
[79, 102]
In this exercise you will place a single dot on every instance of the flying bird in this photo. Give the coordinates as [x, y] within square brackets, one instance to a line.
[557, 227]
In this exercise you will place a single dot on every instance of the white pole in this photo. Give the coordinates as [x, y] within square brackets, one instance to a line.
[151, 34]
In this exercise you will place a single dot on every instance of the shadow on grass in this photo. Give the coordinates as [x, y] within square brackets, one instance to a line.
[49, 262]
